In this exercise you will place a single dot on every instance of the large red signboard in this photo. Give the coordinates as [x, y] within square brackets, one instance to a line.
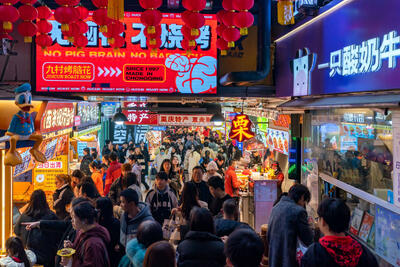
[98, 68]
[137, 115]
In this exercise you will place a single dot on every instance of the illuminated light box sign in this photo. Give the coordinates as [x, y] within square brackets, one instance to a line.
[134, 68]
[345, 51]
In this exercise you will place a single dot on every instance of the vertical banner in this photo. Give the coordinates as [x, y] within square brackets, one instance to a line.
[396, 156]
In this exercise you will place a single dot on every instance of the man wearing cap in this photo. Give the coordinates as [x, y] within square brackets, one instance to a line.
[22, 128]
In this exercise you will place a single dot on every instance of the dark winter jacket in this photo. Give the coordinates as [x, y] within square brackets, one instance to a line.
[161, 203]
[42, 242]
[129, 226]
[91, 248]
[226, 227]
[59, 227]
[113, 228]
[200, 249]
[115, 191]
[86, 160]
[340, 255]
[288, 222]
[61, 198]
[204, 192]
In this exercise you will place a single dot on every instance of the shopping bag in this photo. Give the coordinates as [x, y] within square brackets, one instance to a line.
[169, 227]
[300, 250]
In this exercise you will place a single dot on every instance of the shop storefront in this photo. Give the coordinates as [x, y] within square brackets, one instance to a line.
[86, 130]
[350, 126]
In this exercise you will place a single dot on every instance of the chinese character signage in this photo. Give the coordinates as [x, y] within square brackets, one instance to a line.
[184, 120]
[120, 134]
[97, 68]
[241, 128]
[88, 113]
[332, 55]
[44, 175]
[136, 114]
[57, 116]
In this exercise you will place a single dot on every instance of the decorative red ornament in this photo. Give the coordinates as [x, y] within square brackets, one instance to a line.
[100, 3]
[62, 2]
[8, 14]
[27, 29]
[73, 30]
[44, 26]
[44, 40]
[153, 44]
[220, 15]
[150, 4]
[118, 42]
[65, 15]
[83, 12]
[229, 19]
[114, 29]
[243, 20]
[188, 45]
[228, 5]
[187, 33]
[223, 46]
[156, 34]
[80, 41]
[241, 5]
[231, 35]
[43, 12]
[151, 18]
[27, 12]
[28, 2]
[194, 5]
[194, 21]
[5, 31]
[100, 18]
[220, 29]
[82, 26]
[5, 36]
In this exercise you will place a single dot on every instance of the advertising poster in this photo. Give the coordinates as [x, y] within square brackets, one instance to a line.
[134, 68]
[348, 143]
[136, 114]
[45, 173]
[362, 131]
[278, 141]
[387, 236]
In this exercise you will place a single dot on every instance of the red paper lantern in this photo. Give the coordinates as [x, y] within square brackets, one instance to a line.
[43, 12]
[100, 3]
[155, 34]
[28, 2]
[220, 15]
[220, 29]
[229, 19]
[194, 5]
[83, 12]
[150, 4]
[80, 41]
[73, 30]
[27, 12]
[228, 5]
[82, 26]
[62, 2]
[65, 15]
[187, 33]
[44, 26]
[8, 15]
[115, 28]
[243, 20]
[44, 40]
[2, 30]
[193, 20]
[100, 18]
[242, 5]
[5, 36]
[118, 42]
[151, 17]
[231, 35]
[223, 46]
[187, 45]
[27, 29]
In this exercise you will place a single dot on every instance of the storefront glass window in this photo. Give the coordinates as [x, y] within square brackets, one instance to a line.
[354, 146]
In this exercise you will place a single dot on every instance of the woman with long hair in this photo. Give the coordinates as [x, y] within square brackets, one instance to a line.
[190, 199]
[177, 175]
[166, 166]
[158, 254]
[106, 219]
[41, 242]
[17, 256]
[63, 195]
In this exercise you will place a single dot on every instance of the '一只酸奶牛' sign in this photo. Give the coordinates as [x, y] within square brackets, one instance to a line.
[332, 56]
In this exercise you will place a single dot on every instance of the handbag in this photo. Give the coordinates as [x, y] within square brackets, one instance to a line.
[171, 229]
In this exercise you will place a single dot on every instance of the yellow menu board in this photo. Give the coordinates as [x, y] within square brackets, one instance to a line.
[44, 175]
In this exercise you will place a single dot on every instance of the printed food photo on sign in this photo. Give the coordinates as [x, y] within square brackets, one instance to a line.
[135, 67]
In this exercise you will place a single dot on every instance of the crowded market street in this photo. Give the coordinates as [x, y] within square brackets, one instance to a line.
[207, 133]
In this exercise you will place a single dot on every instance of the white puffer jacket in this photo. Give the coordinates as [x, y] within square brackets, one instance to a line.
[9, 262]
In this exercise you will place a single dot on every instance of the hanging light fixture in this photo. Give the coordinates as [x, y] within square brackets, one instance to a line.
[217, 119]
[119, 117]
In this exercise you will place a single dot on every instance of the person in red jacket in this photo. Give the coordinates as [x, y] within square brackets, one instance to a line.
[113, 172]
[231, 182]
[278, 175]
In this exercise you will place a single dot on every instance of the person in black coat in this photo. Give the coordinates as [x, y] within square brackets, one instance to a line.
[287, 224]
[336, 249]
[58, 227]
[108, 221]
[62, 196]
[41, 242]
[86, 160]
[202, 187]
[201, 247]
[230, 220]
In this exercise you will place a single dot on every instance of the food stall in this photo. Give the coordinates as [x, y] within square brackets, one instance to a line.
[86, 131]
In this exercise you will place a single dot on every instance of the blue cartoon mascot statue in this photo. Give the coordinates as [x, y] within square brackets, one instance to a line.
[22, 128]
